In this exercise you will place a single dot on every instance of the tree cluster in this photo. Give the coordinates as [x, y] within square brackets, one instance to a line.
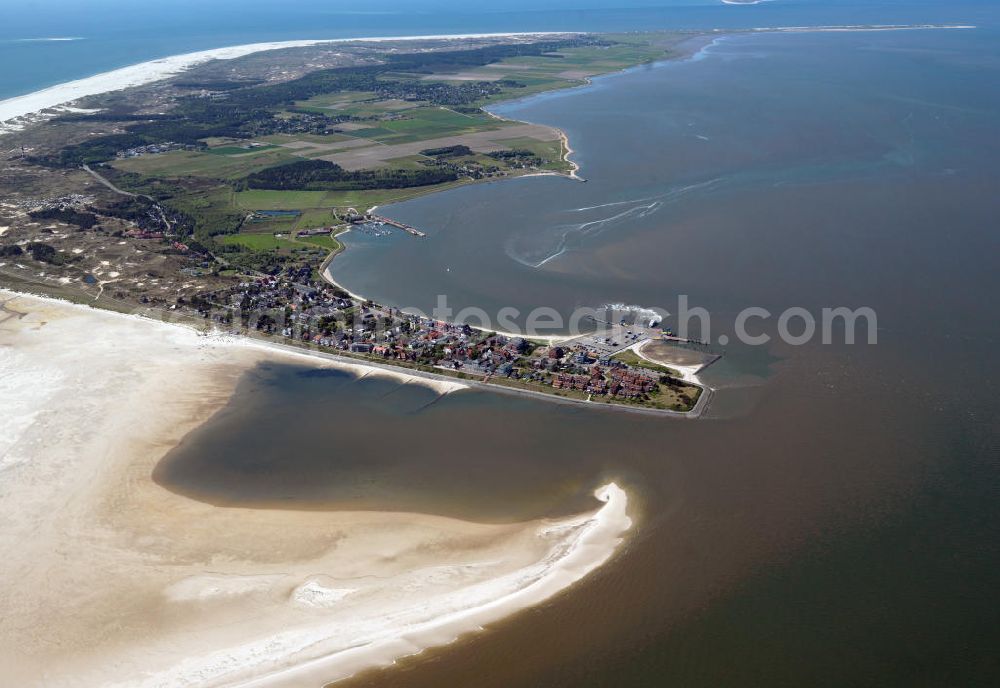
[325, 175]
[66, 215]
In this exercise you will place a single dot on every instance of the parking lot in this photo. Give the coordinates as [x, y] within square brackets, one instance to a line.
[611, 339]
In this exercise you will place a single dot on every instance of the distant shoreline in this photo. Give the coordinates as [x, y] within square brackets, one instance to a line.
[19, 111]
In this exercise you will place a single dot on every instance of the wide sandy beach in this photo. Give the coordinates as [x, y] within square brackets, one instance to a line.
[110, 580]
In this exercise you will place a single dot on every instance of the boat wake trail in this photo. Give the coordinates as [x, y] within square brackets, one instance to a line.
[536, 248]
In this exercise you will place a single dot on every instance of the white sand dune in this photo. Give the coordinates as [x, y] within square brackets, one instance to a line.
[20, 110]
[110, 580]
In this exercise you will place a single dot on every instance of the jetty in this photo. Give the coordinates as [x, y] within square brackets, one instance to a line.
[398, 225]
[355, 218]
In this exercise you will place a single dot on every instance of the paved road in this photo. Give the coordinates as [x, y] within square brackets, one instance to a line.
[105, 182]
[111, 186]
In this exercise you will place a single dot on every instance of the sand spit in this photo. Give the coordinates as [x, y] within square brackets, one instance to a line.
[860, 28]
[110, 580]
[18, 111]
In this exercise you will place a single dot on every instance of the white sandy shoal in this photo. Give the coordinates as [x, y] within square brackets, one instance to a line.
[12, 109]
[861, 28]
[108, 579]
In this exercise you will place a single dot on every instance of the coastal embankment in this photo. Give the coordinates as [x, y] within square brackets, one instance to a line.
[144, 587]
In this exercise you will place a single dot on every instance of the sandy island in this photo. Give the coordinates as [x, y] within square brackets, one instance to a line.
[110, 580]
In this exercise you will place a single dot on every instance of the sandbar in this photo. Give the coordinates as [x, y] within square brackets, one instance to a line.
[109, 579]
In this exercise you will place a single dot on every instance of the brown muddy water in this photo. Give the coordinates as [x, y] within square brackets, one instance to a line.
[834, 521]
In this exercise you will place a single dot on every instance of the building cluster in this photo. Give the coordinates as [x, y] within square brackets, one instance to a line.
[467, 168]
[593, 383]
[574, 368]
[152, 148]
[615, 379]
[473, 169]
[292, 306]
[303, 123]
[144, 234]
[25, 205]
[632, 383]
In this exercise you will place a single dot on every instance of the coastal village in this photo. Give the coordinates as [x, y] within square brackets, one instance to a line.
[234, 224]
[599, 366]
[297, 306]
